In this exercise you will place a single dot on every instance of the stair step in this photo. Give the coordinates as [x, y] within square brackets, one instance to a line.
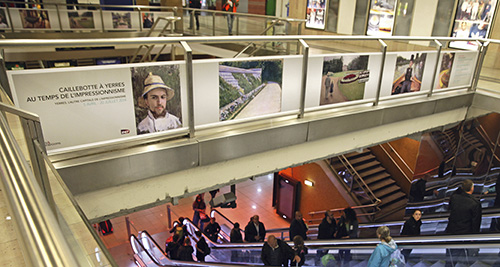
[386, 190]
[366, 166]
[369, 180]
[364, 158]
[371, 171]
[386, 210]
[392, 198]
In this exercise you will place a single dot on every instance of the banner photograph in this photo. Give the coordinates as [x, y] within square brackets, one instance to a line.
[344, 78]
[157, 98]
[381, 18]
[472, 20]
[249, 88]
[81, 20]
[315, 14]
[408, 73]
[92, 104]
[443, 80]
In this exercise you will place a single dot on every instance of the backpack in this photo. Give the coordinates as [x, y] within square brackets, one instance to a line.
[207, 250]
[397, 259]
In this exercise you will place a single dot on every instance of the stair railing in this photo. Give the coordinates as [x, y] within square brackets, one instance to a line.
[491, 144]
[400, 160]
[359, 180]
[169, 26]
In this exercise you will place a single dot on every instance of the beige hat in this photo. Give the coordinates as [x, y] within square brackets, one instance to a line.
[154, 82]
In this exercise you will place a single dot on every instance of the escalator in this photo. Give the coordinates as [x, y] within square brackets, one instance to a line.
[426, 251]
[429, 249]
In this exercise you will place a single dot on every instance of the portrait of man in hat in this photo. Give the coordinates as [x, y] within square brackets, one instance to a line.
[154, 115]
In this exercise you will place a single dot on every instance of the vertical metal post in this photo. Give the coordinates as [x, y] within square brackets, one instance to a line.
[483, 48]
[191, 22]
[10, 18]
[237, 24]
[440, 46]
[172, 52]
[299, 32]
[33, 133]
[140, 22]
[305, 63]
[213, 23]
[169, 217]
[188, 57]
[382, 64]
[59, 17]
[127, 223]
[102, 19]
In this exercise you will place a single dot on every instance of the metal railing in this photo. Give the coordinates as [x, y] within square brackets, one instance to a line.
[61, 8]
[26, 198]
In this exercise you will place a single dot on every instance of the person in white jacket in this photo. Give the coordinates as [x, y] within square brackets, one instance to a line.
[156, 94]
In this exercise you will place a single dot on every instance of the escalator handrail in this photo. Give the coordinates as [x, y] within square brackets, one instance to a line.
[145, 250]
[470, 240]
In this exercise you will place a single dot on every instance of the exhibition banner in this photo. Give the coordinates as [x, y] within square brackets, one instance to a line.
[249, 88]
[473, 19]
[381, 18]
[316, 14]
[456, 69]
[344, 78]
[85, 105]
[408, 73]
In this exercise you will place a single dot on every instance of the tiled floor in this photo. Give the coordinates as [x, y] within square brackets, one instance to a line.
[253, 197]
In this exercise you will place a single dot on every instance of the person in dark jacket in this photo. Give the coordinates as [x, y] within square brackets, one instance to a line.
[411, 228]
[348, 228]
[212, 230]
[195, 4]
[186, 250]
[172, 247]
[255, 230]
[298, 227]
[465, 218]
[235, 235]
[418, 189]
[277, 253]
[201, 247]
[326, 230]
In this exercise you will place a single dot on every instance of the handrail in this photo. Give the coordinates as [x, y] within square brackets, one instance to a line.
[42, 240]
[399, 157]
[491, 144]
[374, 197]
[138, 241]
[9, 43]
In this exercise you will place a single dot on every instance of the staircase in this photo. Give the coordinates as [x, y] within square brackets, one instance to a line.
[378, 180]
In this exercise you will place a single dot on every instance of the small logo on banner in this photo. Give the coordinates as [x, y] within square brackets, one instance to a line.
[125, 131]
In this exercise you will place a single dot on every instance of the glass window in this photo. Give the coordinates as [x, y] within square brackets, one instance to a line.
[332, 15]
[359, 27]
[443, 18]
[404, 16]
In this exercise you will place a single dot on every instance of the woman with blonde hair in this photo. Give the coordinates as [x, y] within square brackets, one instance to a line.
[381, 256]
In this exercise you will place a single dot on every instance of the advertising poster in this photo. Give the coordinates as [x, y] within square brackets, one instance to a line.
[472, 20]
[157, 98]
[408, 73]
[81, 20]
[249, 88]
[315, 14]
[121, 20]
[3, 20]
[443, 79]
[77, 105]
[463, 68]
[344, 78]
[148, 19]
[36, 19]
[381, 18]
